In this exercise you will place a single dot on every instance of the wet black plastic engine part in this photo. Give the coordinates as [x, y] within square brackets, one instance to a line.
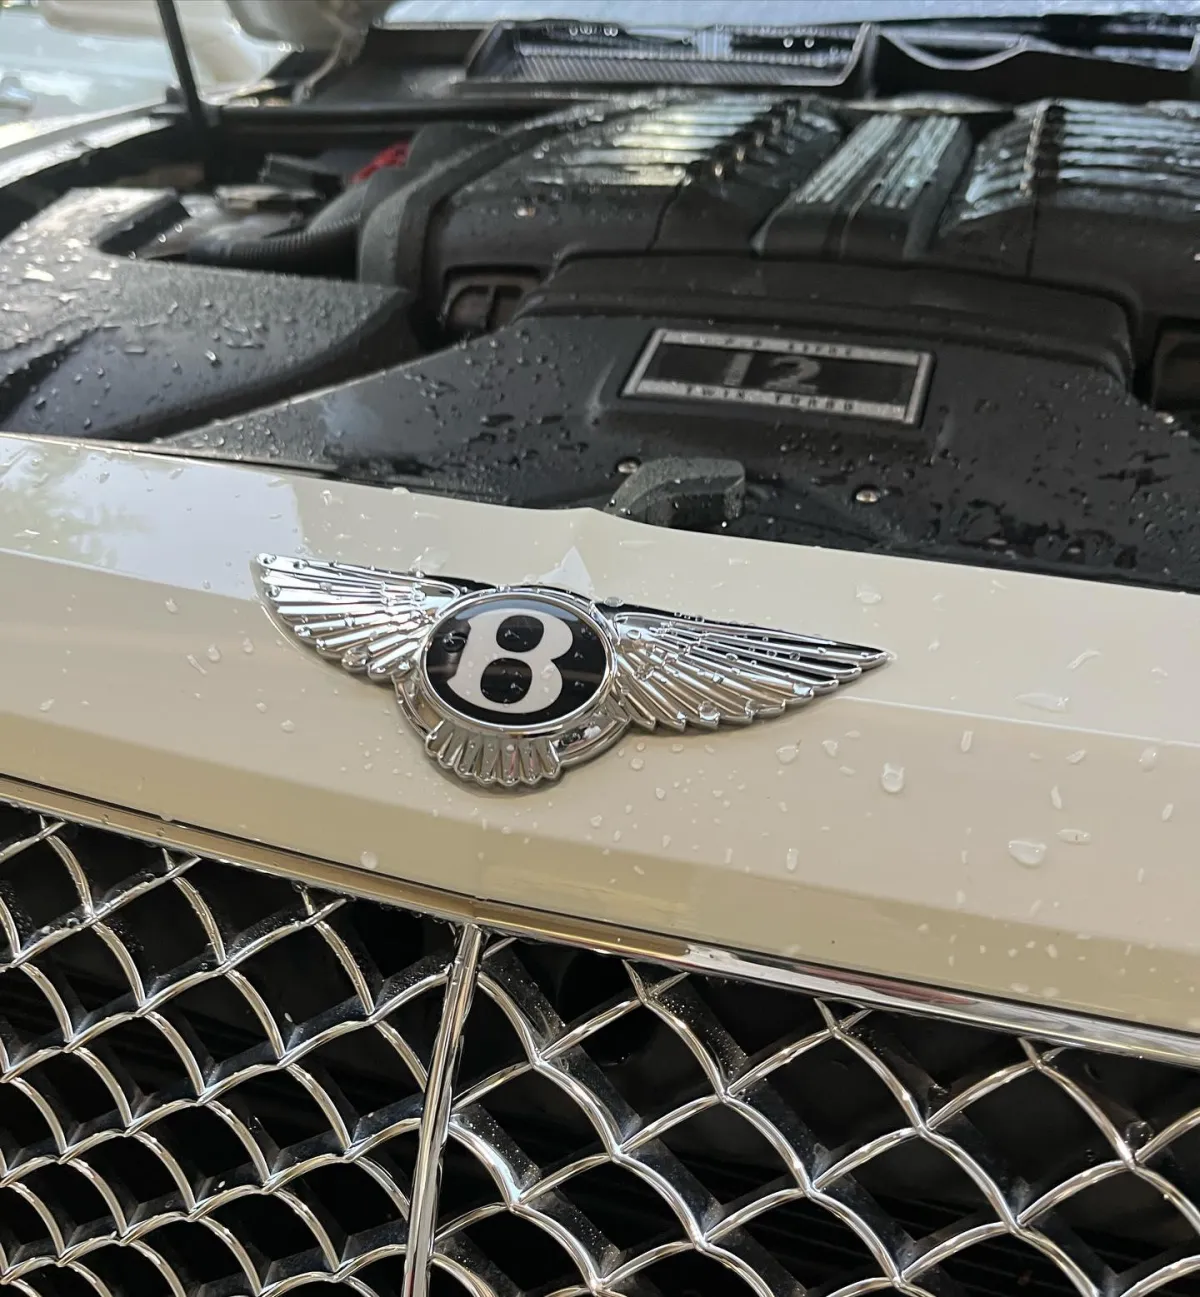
[677, 492]
[102, 345]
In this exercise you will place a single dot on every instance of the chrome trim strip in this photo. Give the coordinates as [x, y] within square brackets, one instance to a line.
[920, 388]
[1055, 1025]
[339, 877]
[1113, 1036]
[634, 380]
[435, 1118]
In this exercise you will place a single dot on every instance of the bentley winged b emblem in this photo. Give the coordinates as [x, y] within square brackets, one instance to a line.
[510, 685]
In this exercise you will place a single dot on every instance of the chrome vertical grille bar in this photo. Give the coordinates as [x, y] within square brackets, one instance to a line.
[436, 1113]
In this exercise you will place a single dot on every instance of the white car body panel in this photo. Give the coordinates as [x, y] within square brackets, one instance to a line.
[1040, 848]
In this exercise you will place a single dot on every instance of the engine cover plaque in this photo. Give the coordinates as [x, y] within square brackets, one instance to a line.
[789, 373]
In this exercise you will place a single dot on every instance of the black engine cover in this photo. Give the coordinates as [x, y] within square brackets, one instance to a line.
[1093, 197]
[1022, 444]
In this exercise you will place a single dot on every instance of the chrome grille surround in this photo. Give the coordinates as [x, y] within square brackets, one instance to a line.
[213, 1081]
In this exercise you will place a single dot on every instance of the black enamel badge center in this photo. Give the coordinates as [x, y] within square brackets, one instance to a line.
[516, 661]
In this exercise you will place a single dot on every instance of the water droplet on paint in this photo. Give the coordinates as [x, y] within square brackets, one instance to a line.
[369, 860]
[1077, 836]
[892, 778]
[1029, 854]
[287, 726]
[1056, 798]
[1149, 758]
[213, 653]
[792, 859]
[172, 606]
[968, 737]
[45, 707]
[788, 753]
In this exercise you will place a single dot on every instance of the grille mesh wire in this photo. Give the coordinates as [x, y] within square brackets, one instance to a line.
[211, 1082]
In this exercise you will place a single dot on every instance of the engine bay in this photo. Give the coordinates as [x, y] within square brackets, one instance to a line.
[927, 325]
[760, 295]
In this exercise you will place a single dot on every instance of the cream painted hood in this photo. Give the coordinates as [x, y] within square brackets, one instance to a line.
[1007, 808]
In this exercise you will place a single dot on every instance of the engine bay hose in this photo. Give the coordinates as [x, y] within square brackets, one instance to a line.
[328, 243]
[306, 249]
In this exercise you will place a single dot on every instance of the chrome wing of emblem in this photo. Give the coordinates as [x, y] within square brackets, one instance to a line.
[510, 685]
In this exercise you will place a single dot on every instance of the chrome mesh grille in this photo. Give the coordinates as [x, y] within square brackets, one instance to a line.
[213, 1082]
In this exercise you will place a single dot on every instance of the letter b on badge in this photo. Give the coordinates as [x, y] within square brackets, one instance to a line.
[482, 649]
